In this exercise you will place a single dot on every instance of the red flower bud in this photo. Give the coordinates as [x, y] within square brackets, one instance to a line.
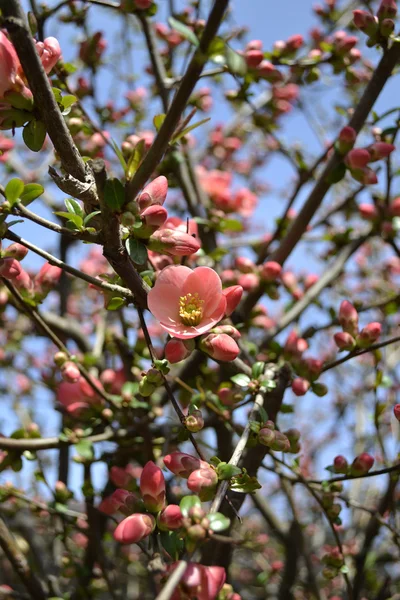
[369, 334]
[394, 208]
[176, 350]
[368, 211]
[17, 251]
[134, 528]
[182, 464]
[364, 21]
[228, 329]
[173, 242]
[152, 487]
[346, 140]
[120, 500]
[253, 58]
[220, 346]
[362, 464]
[340, 464]
[300, 386]
[154, 216]
[348, 317]
[170, 518]
[154, 193]
[380, 150]
[233, 295]
[270, 271]
[203, 482]
[357, 158]
[70, 372]
[366, 176]
[227, 396]
[396, 411]
[344, 341]
[266, 436]
[387, 10]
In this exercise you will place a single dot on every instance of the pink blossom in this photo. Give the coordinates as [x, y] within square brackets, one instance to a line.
[5, 144]
[357, 158]
[182, 464]
[70, 372]
[188, 226]
[15, 250]
[340, 464]
[152, 487]
[348, 317]
[270, 271]
[123, 477]
[248, 281]
[201, 582]
[154, 216]
[49, 52]
[77, 397]
[48, 276]
[170, 518]
[9, 268]
[369, 334]
[154, 193]
[245, 202]
[203, 482]
[187, 302]
[9, 64]
[134, 528]
[396, 411]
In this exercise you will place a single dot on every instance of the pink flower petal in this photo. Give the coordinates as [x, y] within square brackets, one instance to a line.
[207, 283]
[163, 298]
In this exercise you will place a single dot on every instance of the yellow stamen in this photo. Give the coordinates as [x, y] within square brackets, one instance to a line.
[191, 309]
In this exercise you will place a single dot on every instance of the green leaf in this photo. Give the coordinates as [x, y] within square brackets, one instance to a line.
[244, 483]
[85, 449]
[257, 369]
[119, 154]
[236, 63]
[14, 189]
[172, 543]
[34, 134]
[69, 67]
[31, 192]
[114, 194]
[187, 503]
[75, 219]
[135, 159]
[230, 225]
[226, 471]
[181, 134]
[184, 30]
[218, 521]
[136, 250]
[115, 303]
[241, 380]
[68, 101]
[73, 206]
[90, 216]
[159, 120]
[337, 174]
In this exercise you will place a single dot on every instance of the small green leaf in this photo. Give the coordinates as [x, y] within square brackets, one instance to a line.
[241, 380]
[181, 134]
[34, 134]
[71, 217]
[218, 521]
[184, 30]
[236, 63]
[136, 250]
[119, 154]
[90, 216]
[230, 225]
[187, 503]
[115, 303]
[244, 483]
[14, 189]
[73, 206]
[257, 369]
[31, 192]
[337, 174]
[226, 471]
[68, 101]
[135, 159]
[159, 120]
[114, 194]
[85, 449]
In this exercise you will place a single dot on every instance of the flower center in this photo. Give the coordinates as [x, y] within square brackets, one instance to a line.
[191, 309]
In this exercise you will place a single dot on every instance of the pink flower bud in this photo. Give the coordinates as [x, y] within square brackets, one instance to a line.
[294, 345]
[152, 487]
[70, 372]
[220, 346]
[134, 528]
[294, 42]
[268, 71]
[344, 341]
[300, 386]
[340, 464]
[369, 334]
[266, 436]
[364, 21]
[120, 500]
[154, 216]
[233, 295]
[203, 482]
[380, 150]
[227, 396]
[346, 140]
[271, 271]
[176, 350]
[362, 464]
[228, 329]
[310, 280]
[248, 281]
[313, 367]
[182, 464]
[254, 45]
[244, 265]
[394, 208]
[173, 242]
[357, 158]
[386, 27]
[49, 52]
[143, 4]
[48, 276]
[122, 477]
[366, 176]
[170, 518]
[368, 211]
[17, 251]
[387, 10]
[9, 267]
[396, 411]
[253, 58]
[348, 317]
[9, 64]
[154, 193]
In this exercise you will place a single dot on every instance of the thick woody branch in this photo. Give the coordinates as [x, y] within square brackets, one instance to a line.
[45, 103]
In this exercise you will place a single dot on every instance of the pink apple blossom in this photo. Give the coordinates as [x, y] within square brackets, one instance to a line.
[187, 302]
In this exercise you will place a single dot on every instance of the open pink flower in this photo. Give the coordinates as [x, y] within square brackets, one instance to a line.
[187, 302]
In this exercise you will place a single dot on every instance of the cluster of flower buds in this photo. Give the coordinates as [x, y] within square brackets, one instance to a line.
[254, 57]
[361, 465]
[217, 184]
[16, 97]
[309, 369]
[36, 288]
[202, 478]
[202, 99]
[325, 12]
[146, 219]
[151, 380]
[351, 337]
[377, 27]
[333, 561]
[358, 159]
[278, 441]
